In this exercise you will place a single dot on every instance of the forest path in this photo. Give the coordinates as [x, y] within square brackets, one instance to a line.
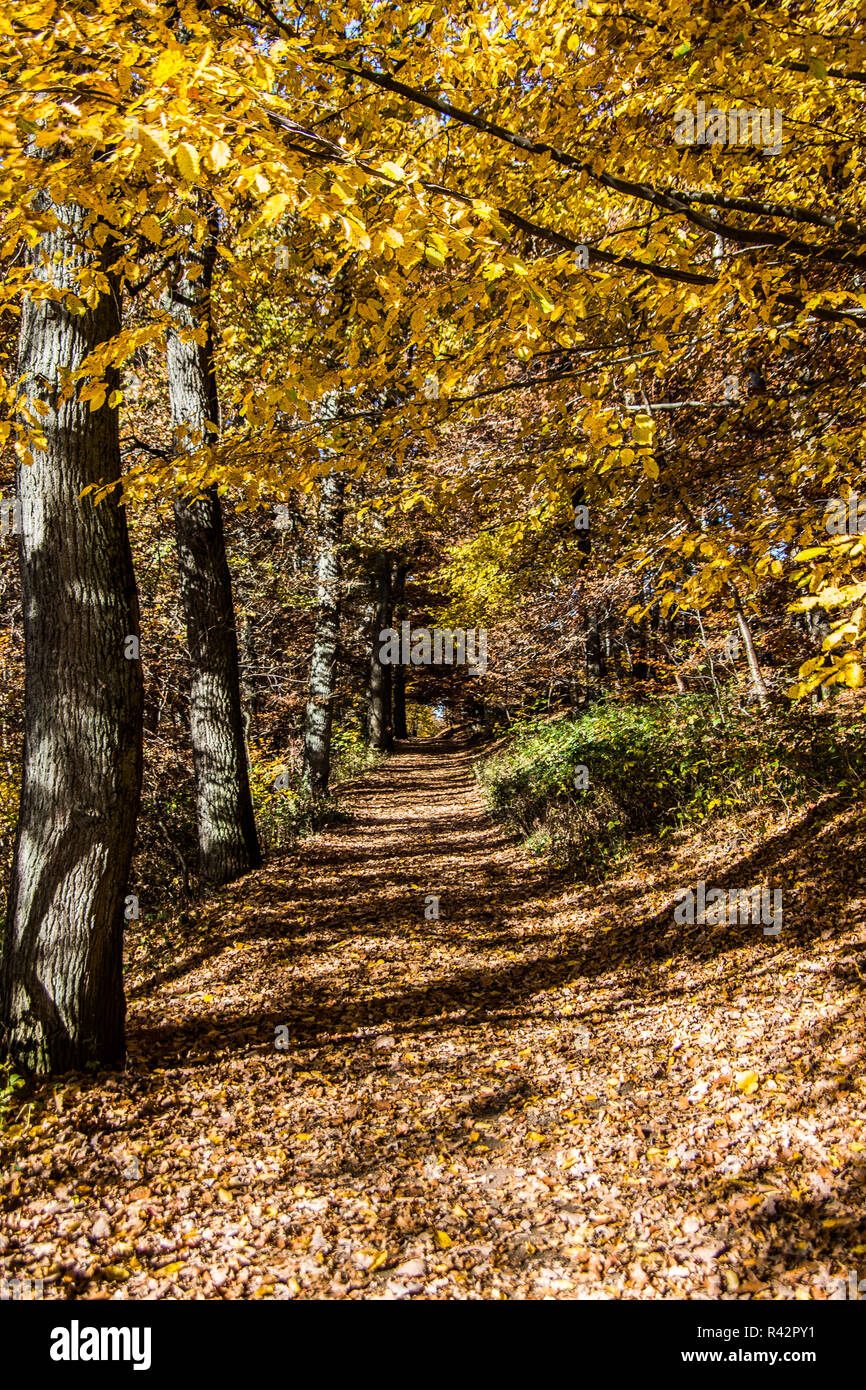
[540, 1094]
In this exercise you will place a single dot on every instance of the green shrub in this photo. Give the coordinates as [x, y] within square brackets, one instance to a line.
[287, 813]
[351, 754]
[659, 765]
[10, 1083]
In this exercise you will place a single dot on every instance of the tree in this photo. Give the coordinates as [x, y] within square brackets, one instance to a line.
[398, 689]
[323, 668]
[62, 986]
[379, 683]
[228, 843]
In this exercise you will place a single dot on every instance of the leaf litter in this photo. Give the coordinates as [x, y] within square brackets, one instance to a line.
[552, 1091]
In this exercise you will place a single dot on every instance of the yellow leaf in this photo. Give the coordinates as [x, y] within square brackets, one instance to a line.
[392, 170]
[356, 233]
[223, 1195]
[747, 1082]
[168, 63]
[151, 229]
[443, 1240]
[154, 141]
[220, 154]
[186, 159]
[275, 206]
[650, 468]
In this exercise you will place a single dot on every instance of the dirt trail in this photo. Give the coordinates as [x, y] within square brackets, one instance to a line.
[539, 1094]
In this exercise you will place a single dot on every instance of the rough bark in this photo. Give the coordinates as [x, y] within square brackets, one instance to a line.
[248, 668]
[379, 687]
[399, 678]
[323, 669]
[62, 982]
[228, 843]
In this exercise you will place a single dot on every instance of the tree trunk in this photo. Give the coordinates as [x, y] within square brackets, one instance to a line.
[379, 689]
[758, 681]
[62, 969]
[616, 661]
[399, 686]
[399, 694]
[817, 624]
[594, 658]
[248, 668]
[228, 843]
[639, 661]
[323, 670]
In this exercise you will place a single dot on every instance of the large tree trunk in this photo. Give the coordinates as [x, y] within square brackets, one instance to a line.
[323, 670]
[228, 843]
[62, 969]
[379, 689]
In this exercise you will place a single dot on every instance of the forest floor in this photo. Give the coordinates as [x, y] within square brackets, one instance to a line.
[551, 1091]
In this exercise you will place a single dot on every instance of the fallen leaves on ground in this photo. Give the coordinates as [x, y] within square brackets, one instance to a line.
[549, 1092]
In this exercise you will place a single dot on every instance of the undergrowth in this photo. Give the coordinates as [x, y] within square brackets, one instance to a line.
[661, 765]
